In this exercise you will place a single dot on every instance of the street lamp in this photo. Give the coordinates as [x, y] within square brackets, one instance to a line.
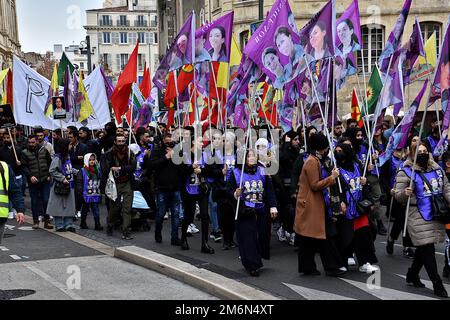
[85, 47]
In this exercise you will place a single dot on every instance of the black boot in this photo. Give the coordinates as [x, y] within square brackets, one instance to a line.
[446, 272]
[439, 289]
[184, 244]
[83, 224]
[205, 234]
[414, 279]
[98, 226]
[207, 249]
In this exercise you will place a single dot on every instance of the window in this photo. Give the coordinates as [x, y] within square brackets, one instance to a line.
[155, 38]
[106, 37]
[81, 65]
[141, 61]
[141, 36]
[373, 44]
[154, 21]
[123, 20]
[106, 21]
[141, 21]
[428, 28]
[216, 4]
[106, 62]
[123, 38]
[123, 60]
[244, 38]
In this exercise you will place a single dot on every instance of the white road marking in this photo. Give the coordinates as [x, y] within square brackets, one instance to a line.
[4, 249]
[52, 281]
[15, 257]
[399, 245]
[8, 227]
[312, 294]
[387, 293]
[428, 284]
[25, 228]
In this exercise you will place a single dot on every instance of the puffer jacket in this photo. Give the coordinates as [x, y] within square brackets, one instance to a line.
[421, 232]
[36, 164]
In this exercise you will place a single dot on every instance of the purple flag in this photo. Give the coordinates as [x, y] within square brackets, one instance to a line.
[395, 38]
[318, 36]
[68, 91]
[399, 138]
[241, 112]
[392, 92]
[213, 40]
[441, 81]
[179, 54]
[239, 85]
[108, 85]
[348, 40]
[275, 46]
[412, 50]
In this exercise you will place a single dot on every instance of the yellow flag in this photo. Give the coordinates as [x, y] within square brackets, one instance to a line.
[53, 92]
[86, 107]
[235, 60]
[3, 75]
[430, 51]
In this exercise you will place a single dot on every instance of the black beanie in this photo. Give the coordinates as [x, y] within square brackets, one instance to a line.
[318, 142]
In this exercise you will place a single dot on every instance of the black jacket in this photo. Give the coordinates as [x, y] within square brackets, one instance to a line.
[79, 150]
[7, 155]
[128, 166]
[167, 175]
[36, 163]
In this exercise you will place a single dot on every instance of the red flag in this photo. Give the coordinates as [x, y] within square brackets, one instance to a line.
[146, 84]
[9, 89]
[121, 94]
[356, 111]
[171, 92]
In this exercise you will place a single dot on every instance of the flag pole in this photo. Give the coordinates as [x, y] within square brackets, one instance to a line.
[327, 134]
[304, 124]
[408, 203]
[333, 103]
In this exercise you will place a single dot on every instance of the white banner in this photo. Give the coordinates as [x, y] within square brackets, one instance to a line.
[30, 96]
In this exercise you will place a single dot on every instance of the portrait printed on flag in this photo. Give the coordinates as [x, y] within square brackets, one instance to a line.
[6, 115]
[59, 108]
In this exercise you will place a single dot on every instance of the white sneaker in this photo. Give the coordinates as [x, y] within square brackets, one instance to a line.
[368, 268]
[351, 262]
[281, 235]
[194, 228]
[343, 269]
[166, 217]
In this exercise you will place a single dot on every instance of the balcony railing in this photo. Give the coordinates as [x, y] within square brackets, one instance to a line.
[122, 23]
[105, 23]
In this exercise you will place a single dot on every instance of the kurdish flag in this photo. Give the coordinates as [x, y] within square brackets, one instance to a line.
[373, 92]
[53, 91]
[356, 110]
[85, 104]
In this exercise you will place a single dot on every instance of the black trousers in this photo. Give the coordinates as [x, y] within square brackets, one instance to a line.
[248, 237]
[226, 220]
[425, 257]
[147, 191]
[364, 247]
[189, 205]
[308, 247]
[447, 250]
[398, 211]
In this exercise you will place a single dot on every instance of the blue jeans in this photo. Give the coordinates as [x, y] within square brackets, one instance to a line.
[94, 208]
[213, 213]
[39, 194]
[172, 200]
[63, 222]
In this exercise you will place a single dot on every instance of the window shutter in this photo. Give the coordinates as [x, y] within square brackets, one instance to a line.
[118, 62]
[148, 38]
[115, 36]
[100, 38]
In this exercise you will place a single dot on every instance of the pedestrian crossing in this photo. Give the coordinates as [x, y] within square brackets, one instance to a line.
[362, 289]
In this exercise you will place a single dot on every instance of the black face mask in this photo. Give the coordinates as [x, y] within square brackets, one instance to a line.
[170, 145]
[340, 157]
[436, 131]
[359, 141]
[422, 159]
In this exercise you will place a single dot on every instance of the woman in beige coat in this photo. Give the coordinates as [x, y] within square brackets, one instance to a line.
[424, 232]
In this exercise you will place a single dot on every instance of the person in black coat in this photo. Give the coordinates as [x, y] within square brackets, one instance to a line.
[256, 198]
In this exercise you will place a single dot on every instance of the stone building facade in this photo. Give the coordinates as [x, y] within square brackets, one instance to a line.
[9, 34]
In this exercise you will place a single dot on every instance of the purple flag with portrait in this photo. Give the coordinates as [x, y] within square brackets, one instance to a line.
[395, 38]
[441, 83]
[318, 35]
[348, 41]
[275, 46]
[399, 138]
[412, 50]
[179, 54]
[213, 40]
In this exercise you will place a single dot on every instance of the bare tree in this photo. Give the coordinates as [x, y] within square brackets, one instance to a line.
[46, 68]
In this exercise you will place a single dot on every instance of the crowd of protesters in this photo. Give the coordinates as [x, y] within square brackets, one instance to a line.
[328, 194]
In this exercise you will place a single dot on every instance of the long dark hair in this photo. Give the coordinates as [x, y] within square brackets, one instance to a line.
[62, 148]
[349, 23]
[223, 33]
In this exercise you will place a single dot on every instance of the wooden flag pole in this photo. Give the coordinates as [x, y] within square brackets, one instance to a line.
[12, 143]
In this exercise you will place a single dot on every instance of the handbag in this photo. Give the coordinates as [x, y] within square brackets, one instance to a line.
[364, 206]
[441, 213]
[61, 189]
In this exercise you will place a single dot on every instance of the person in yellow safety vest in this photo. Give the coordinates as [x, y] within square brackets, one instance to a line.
[10, 191]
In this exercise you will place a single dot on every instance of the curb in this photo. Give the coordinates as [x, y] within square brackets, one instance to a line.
[205, 280]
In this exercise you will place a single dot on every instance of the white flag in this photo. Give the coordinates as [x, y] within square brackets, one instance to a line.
[30, 96]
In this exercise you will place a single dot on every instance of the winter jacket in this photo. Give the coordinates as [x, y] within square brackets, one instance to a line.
[36, 163]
